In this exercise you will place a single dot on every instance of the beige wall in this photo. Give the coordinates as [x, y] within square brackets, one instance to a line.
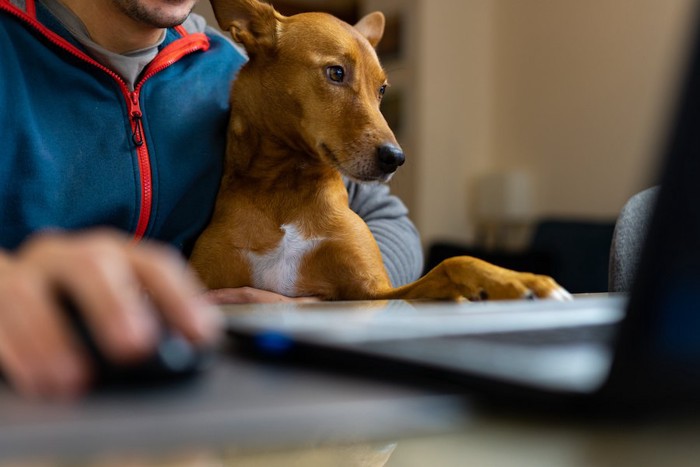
[582, 89]
[455, 89]
[572, 93]
[204, 8]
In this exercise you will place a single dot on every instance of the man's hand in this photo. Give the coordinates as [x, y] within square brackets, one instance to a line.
[119, 287]
[250, 295]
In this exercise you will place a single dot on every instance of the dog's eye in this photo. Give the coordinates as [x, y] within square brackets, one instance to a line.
[382, 91]
[336, 73]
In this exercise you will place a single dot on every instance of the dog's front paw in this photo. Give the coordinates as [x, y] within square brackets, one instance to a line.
[479, 280]
[535, 286]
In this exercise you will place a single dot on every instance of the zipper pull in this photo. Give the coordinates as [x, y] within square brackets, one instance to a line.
[136, 120]
[137, 133]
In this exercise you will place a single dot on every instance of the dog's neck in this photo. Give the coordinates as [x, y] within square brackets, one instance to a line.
[258, 159]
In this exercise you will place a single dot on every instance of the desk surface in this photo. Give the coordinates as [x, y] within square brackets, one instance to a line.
[247, 413]
[239, 404]
[244, 412]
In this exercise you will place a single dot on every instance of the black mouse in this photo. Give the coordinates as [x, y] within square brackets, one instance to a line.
[173, 359]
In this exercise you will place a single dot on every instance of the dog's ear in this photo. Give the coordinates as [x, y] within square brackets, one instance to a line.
[252, 23]
[372, 27]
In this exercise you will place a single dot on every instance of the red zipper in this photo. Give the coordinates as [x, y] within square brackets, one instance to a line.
[166, 57]
[169, 55]
[144, 161]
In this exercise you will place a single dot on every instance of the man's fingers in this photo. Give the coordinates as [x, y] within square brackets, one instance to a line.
[175, 291]
[100, 281]
[37, 351]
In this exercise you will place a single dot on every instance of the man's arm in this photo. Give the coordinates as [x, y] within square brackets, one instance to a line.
[397, 237]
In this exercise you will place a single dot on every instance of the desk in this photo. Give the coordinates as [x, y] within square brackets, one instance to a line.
[238, 405]
[245, 413]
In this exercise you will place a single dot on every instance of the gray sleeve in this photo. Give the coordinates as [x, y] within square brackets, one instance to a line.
[397, 237]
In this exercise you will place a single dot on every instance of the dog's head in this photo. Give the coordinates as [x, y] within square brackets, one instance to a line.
[315, 83]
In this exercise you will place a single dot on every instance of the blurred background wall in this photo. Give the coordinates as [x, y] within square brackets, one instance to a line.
[511, 111]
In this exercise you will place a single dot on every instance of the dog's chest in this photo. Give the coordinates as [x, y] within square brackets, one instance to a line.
[278, 269]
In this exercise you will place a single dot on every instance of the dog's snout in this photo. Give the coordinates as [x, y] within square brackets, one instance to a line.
[390, 158]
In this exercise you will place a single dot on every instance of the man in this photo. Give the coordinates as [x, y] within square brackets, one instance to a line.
[113, 115]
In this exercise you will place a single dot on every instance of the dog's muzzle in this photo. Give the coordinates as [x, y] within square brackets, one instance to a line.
[390, 158]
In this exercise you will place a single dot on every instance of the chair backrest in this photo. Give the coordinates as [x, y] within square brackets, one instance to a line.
[630, 231]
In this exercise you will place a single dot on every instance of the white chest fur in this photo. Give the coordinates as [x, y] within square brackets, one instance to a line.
[278, 270]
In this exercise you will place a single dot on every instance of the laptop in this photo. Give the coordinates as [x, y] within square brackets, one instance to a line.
[626, 350]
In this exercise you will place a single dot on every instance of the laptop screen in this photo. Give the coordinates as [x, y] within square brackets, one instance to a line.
[660, 344]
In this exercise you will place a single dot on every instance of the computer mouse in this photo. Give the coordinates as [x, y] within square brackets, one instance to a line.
[173, 359]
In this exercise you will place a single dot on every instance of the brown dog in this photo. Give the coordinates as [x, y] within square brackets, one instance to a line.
[305, 109]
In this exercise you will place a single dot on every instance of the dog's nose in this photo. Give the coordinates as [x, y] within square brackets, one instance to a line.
[390, 158]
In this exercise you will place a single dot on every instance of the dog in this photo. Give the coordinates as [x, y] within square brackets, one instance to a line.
[305, 112]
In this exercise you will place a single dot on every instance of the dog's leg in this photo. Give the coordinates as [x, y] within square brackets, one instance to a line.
[474, 279]
[350, 268]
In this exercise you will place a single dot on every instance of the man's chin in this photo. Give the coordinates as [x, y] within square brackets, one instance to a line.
[157, 13]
